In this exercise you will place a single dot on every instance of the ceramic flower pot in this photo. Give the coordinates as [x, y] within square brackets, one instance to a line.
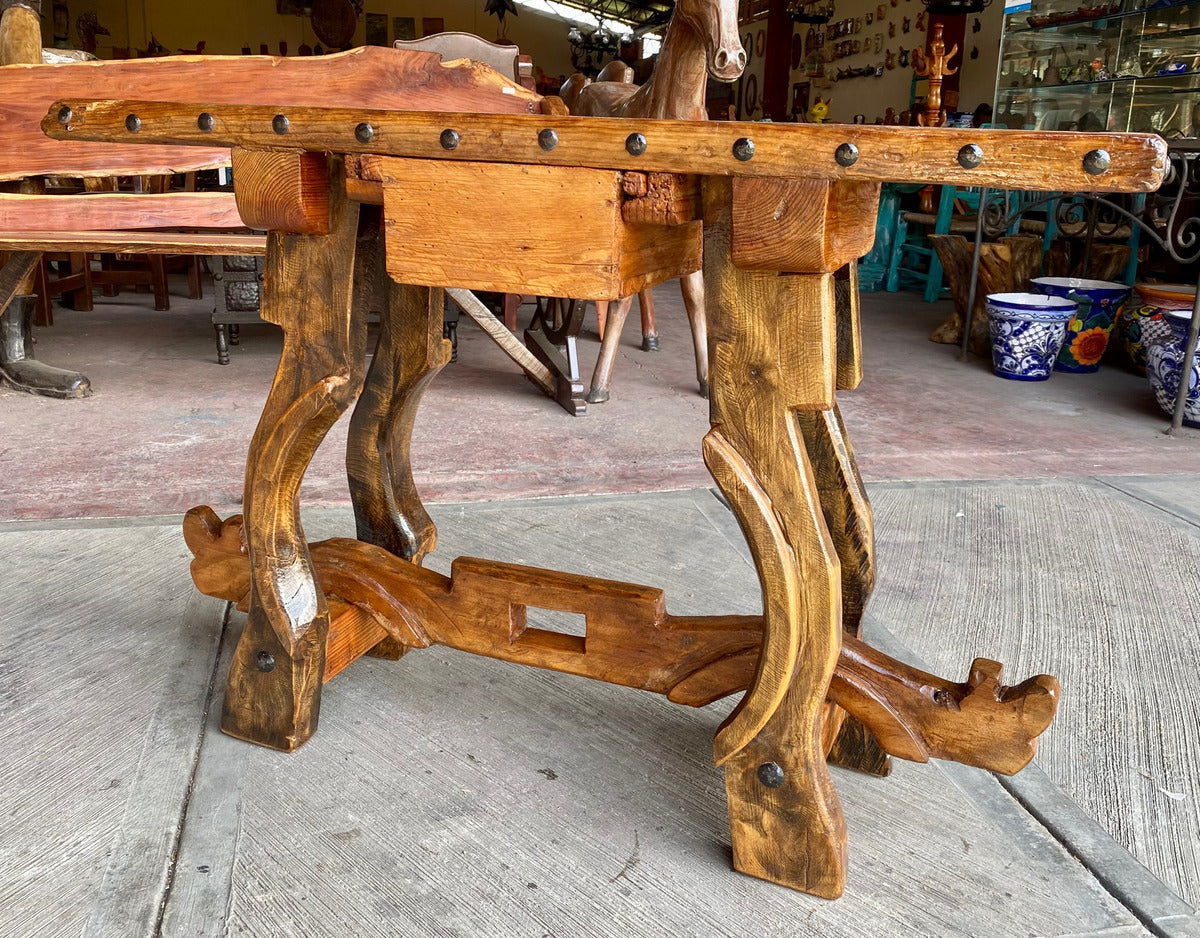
[1027, 332]
[1088, 332]
[1141, 323]
[1164, 366]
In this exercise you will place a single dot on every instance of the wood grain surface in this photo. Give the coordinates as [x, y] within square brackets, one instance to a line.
[764, 369]
[370, 76]
[135, 242]
[1012, 159]
[283, 190]
[116, 211]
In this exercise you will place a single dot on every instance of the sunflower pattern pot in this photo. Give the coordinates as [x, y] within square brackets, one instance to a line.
[1099, 303]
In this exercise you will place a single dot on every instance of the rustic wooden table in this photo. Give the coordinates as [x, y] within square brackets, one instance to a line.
[777, 212]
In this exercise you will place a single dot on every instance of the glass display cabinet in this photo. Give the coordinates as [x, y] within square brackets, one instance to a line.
[1121, 65]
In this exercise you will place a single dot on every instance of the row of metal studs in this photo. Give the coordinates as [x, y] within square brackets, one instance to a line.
[970, 156]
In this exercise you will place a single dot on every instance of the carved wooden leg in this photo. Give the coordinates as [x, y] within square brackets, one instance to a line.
[693, 301]
[785, 820]
[613, 326]
[410, 353]
[273, 693]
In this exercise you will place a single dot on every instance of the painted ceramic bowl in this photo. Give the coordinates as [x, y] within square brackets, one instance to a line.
[1027, 332]
[1164, 366]
[1141, 321]
[1088, 332]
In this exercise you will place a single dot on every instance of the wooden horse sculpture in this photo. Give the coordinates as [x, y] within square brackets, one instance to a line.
[702, 40]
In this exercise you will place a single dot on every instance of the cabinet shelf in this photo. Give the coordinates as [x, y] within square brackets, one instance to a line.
[1132, 45]
[1100, 21]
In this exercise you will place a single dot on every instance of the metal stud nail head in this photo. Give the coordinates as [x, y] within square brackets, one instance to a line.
[743, 148]
[770, 774]
[1096, 162]
[846, 154]
[206, 122]
[266, 662]
[364, 133]
[449, 139]
[970, 156]
[133, 123]
[547, 139]
[280, 124]
[635, 144]
[65, 115]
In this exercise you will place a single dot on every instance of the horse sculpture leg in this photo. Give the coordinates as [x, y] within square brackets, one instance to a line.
[693, 300]
[785, 819]
[614, 324]
[272, 696]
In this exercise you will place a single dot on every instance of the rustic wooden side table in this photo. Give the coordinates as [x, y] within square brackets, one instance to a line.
[775, 212]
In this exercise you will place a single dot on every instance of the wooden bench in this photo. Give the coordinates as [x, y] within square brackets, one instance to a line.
[177, 222]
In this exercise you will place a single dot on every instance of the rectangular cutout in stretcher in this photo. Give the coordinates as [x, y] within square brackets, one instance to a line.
[545, 230]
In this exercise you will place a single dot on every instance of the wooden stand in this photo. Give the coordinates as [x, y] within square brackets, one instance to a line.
[779, 239]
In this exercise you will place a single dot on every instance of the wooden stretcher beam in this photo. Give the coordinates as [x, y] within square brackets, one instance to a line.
[1001, 158]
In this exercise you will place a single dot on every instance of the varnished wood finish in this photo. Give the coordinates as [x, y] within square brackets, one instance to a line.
[802, 224]
[765, 368]
[369, 76]
[410, 353]
[609, 258]
[630, 640]
[897, 154]
[135, 242]
[273, 691]
[109, 211]
[281, 190]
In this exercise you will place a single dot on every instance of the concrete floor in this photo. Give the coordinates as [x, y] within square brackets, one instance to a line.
[1050, 526]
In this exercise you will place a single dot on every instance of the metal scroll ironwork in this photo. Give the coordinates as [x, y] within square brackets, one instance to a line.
[1167, 217]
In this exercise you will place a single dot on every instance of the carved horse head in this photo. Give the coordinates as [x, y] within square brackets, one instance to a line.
[716, 23]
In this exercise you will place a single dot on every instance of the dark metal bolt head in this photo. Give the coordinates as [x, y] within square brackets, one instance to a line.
[266, 662]
[547, 139]
[635, 144]
[449, 139]
[970, 156]
[743, 148]
[1096, 162]
[65, 115]
[133, 123]
[280, 124]
[846, 154]
[770, 774]
[206, 122]
[364, 133]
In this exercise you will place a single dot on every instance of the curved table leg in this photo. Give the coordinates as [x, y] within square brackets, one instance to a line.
[273, 692]
[410, 353]
[785, 819]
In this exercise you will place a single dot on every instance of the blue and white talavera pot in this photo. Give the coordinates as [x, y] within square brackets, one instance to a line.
[1088, 332]
[1164, 365]
[1027, 332]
